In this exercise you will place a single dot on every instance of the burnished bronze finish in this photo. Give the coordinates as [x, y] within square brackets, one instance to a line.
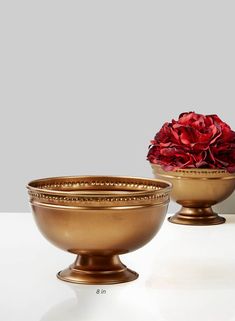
[98, 218]
[197, 190]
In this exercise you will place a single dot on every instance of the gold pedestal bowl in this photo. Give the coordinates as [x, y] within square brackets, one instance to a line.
[97, 218]
[197, 190]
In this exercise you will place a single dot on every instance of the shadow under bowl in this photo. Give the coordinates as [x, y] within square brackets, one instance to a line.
[97, 218]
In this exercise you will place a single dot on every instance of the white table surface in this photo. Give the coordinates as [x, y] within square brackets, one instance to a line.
[186, 273]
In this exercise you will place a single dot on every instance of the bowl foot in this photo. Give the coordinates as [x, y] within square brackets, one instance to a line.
[196, 216]
[97, 269]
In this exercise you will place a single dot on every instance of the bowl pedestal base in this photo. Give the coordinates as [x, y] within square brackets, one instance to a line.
[196, 216]
[97, 269]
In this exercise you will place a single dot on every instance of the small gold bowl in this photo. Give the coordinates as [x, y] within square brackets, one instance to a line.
[197, 190]
[98, 218]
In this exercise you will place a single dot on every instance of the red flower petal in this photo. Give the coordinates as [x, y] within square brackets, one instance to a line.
[194, 141]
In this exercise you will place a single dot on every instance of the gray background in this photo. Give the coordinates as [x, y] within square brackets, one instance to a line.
[86, 84]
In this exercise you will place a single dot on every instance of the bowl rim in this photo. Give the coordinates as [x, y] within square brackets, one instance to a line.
[155, 194]
[205, 173]
[131, 193]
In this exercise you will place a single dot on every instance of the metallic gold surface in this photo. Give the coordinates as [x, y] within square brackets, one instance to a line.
[197, 190]
[98, 218]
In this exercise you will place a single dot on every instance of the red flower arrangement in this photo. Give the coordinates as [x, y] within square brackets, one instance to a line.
[194, 141]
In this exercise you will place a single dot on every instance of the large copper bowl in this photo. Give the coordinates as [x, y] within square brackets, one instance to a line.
[197, 190]
[97, 218]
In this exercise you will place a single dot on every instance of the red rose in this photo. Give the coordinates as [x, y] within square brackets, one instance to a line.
[194, 141]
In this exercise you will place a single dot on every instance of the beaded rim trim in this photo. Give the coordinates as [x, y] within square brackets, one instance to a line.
[193, 171]
[98, 199]
[201, 171]
[67, 184]
[56, 193]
